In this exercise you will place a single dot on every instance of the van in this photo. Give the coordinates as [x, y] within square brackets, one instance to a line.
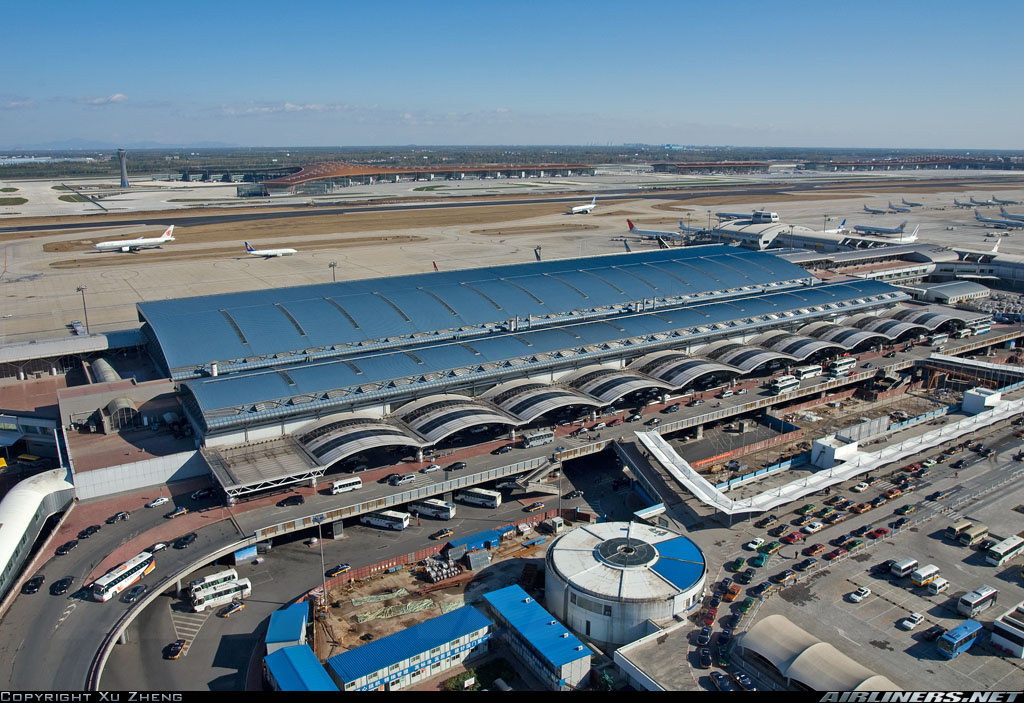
[903, 568]
[725, 394]
[938, 586]
[402, 480]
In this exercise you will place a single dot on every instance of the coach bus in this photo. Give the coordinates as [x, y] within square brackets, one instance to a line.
[977, 601]
[344, 485]
[221, 594]
[1006, 550]
[535, 439]
[802, 372]
[783, 384]
[432, 507]
[122, 576]
[842, 366]
[390, 519]
[481, 496]
[212, 580]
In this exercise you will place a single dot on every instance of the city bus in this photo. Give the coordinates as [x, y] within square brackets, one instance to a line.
[973, 535]
[221, 594]
[962, 333]
[122, 576]
[925, 575]
[1006, 550]
[980, 328]
[954, 531]
[842, 366]
[391, 519]
[535, 439]
[937, 339]
[783, 384]
[344, 485]
[902, 568]
[959, 639]
[802, 372]
[432, 507]
[481, 496]
[977, 601]
[212, 580]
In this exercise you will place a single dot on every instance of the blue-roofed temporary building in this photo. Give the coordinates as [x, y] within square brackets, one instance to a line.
[487, 539]
[412, 654]
[287, 626]
[552, 653]
[297, 669]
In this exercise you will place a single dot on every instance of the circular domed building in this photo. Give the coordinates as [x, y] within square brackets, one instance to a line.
[605, 580]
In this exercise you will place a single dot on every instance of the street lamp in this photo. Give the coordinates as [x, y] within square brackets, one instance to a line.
[333, 265]
[319, 519]
[85, 310]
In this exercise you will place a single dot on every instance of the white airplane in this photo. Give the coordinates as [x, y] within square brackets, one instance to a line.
[841, 229]
[897, 208]
[960, 204]
[267, 253]
[1010, 215]
[873, 211]
[130, 245]
[734, 215]
[999, 224]
[910, 204]
[981, 202]
[584, 209]
[871, 229]
[652, 233]
[997, 201]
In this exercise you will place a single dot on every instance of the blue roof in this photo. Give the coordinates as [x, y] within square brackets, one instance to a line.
[533, 623]
[381, 654]
[298, 669]
[288, 625]
[481, 537]
[193, 332]
[680, 562]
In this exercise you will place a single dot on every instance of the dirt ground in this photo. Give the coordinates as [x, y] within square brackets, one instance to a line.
[533, 229]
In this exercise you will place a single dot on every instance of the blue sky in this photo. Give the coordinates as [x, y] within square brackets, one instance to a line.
[866, 74]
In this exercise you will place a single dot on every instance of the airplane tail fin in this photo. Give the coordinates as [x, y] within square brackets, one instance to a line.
[248, 247]
[630, 223]
[168, 234]
[435, 266]
[593, 201]
[995, 249]
[842, 225]
[903, 226]
[626, 242]
[536, 252]
[913, 235]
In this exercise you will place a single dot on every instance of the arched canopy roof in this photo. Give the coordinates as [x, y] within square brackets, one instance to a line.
[847, 337]
[744, 356]
[445, 416]
[893, 329]
[926, 318]
[334, 439]
[679, 369]
[796, 345]
[528, 400]
[608, 385]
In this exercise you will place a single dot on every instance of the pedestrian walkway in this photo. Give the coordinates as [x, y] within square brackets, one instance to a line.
[186, 624]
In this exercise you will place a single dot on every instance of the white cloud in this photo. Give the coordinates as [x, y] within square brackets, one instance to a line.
[100, 102]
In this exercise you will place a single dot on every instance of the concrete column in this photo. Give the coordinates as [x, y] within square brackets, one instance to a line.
[419, 454]
[53, 370]
[335, 530]
[700, 432]
[123, 639]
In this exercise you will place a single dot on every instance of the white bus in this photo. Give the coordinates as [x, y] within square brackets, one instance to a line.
[212, 580]
[962, 333]
[432, 507]
[391, 519]
[981, 328]
[902, 568]
[925, 575]
[344, 485]
[783, 384]
[535, 439]
[219, 595]
[481, 496]
[802, 372]
[937, 339]
[842, 366]
[979, 600]
[1006, 550]
[122, 576]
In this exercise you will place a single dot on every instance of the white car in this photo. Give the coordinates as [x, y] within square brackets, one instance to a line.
[860, 488]
[430, 469]
[156, 502]
[812, 527]
[909, 623]
[860, 594]
[754, 543]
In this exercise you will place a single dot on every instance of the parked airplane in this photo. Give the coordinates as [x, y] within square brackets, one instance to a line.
[733, 215]
[131, 245]
[910, 204]
[1010, 215]
[268, 253]
[872, 211]
[871, 229]
[841, 229]
[999, 224]
[652, 233]
[997, 201]
[960, 204]
[897, 208]
[584, 209]
[981, 202]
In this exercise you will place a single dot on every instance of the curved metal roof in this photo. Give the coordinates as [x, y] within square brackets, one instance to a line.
[445, 416]
[528, 400]
[328, 319]
[679, 369]
[796, 345]
[608, 385]
[893, 329]
[333, 439]
[847, 337]
[925, 318]
[744, 356]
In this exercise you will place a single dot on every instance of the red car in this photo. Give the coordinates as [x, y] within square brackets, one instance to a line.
[709, 616]
[813, 549]
[835, 554]
[880, 532]
[792, 538]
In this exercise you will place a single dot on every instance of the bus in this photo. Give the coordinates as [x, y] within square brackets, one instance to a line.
[783, 384]
[953, 532]
[802, 372]
[959, 639]
[901, 568]
[344, 485]
[977, 601]
[481, 496]
[925, 575]
[212, 580]
[937, 339]
[391, 519]
[122, 576]
[535, 439]
[221, 594]
[980, 328]
[962, 333]
[432, 507]
[842, 366]
[972, 536]
[1006, 550]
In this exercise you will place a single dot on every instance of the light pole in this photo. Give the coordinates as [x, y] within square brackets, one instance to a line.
[320, 540]
[333, 265]
[85, 310]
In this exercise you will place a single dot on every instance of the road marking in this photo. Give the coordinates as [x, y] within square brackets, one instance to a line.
[64, 616]
[843, 635]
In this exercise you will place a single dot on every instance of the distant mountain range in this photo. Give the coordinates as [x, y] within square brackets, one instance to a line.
[93, 145]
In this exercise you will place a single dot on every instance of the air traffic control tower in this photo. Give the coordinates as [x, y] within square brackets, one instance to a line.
[122, 158]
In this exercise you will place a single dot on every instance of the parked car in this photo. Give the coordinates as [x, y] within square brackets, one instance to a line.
[203, 493]
[860, 594]
[457, 466]
[863, 529]
[784, 576]
[758, 560]
[88, 532]
[33, 584]
[771, 548]
[860, 488]
[753, 544]
[704, 636]
[534, 507]
[185, 541]
[231, 609]
[157, 502]
[813, 527]
[793, 538]
[704, 658]
[117, 517]
[958, 464]
[503, 449]
[745, 606]
[836, 519]
[878, 533]
[906, 509]
[430, 469]
[766, 521]
[158, 547]
[933, 633]
[805, 564]
[66, 547]
[736, 564]
[743, 681]
[900, 523]
[573, 494]
[813, 549]
[444, 533]
[779, 530]
[911, 621]
[721, 681]
[61, 587]
[761, 589]
[335, 570]
[802, 520]
[804, 509]
[834, 554]
[291, 500]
